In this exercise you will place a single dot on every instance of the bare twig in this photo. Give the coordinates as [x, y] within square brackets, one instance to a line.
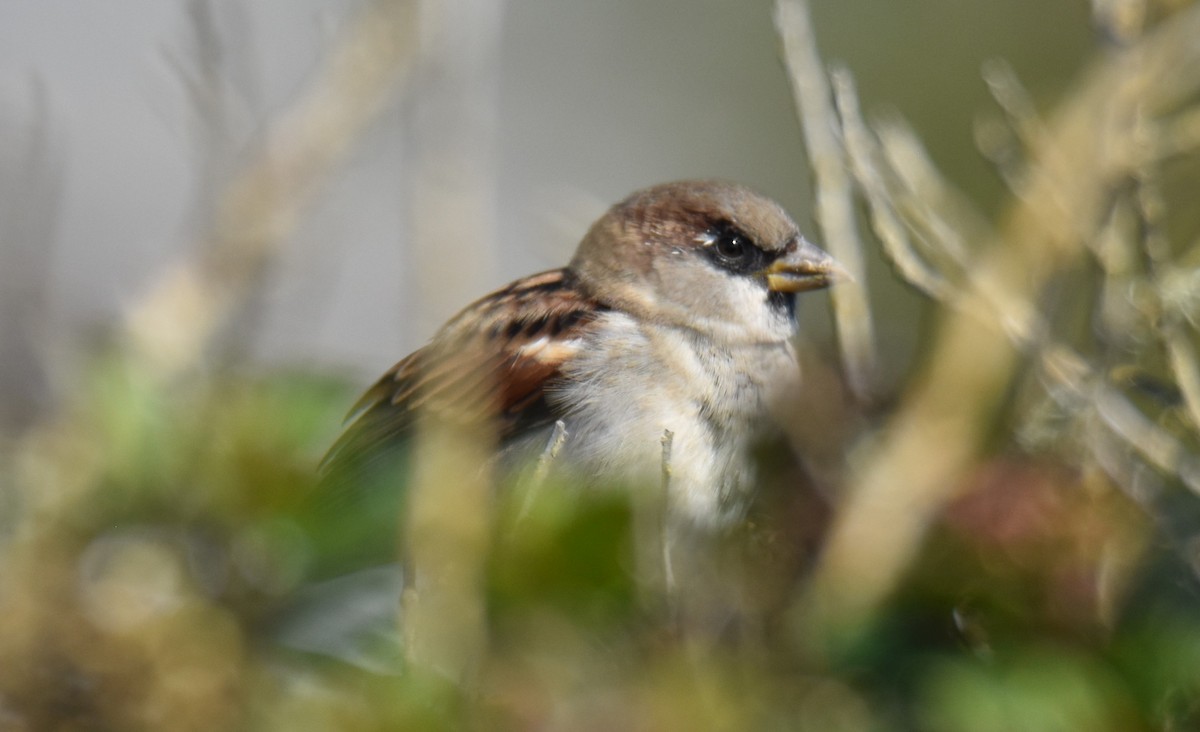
[1087, 145]
[887, 222]
[553, 447]
[668, 442]
[221, 81]
[174, 323]
[1071, 374]
[949, 222]
[835, 200]
[1014, 101]
[1182, 358]
[30, 195]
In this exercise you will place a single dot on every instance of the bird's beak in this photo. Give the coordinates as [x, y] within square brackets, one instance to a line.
[803, 267]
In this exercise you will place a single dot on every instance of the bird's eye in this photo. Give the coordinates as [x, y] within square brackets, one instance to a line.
[728, 248]
[732, 246]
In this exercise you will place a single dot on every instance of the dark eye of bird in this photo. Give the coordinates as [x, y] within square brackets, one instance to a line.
[734, 251]
[732, 246]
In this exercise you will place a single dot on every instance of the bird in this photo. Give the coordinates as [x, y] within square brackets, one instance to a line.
[676, 314]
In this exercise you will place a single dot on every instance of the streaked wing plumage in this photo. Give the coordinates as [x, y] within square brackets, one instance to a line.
[508, 346]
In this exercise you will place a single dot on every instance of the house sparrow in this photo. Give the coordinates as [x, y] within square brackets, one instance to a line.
[676, 313]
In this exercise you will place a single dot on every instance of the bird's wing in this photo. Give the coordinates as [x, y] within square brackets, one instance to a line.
[494, 359]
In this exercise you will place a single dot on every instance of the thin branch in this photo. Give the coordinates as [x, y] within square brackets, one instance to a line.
[173, 325]
[903, 482]
[1014, 100]
[887, 223]
[835, 200]
[1182, 357]
[668, 442]
[31, 183]
[540, 472]
[1072, 375]
[947, 219]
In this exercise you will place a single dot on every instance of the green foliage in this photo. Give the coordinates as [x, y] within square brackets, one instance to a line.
[188, 533]
[570, 554]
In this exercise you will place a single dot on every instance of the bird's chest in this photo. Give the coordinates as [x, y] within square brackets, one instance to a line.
[636, 384]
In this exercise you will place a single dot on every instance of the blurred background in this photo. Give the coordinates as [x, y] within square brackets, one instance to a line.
[121, 123]
[220, 221]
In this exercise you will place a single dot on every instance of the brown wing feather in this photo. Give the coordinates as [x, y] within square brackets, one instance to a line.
[509, 344]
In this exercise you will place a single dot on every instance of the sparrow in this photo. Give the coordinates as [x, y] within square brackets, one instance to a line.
[677, 313]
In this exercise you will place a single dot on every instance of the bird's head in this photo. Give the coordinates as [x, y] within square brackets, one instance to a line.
[708, 255]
